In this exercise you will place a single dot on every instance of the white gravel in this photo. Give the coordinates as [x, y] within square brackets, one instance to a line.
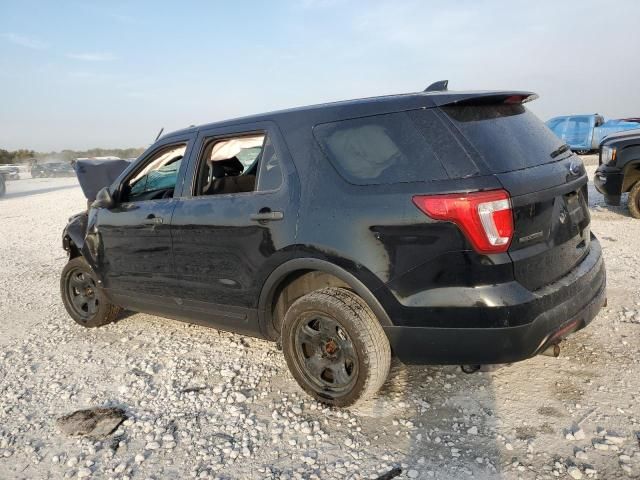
[209, 404]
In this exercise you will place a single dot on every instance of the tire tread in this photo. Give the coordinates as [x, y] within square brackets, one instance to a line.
[634, 200]
[377, 352]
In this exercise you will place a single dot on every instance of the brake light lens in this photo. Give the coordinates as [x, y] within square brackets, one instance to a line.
[486, 218]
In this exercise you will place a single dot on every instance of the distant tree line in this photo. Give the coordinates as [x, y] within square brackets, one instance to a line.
[23, 155]
[15, 156]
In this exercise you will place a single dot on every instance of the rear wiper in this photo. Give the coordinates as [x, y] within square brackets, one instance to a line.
[559, 150]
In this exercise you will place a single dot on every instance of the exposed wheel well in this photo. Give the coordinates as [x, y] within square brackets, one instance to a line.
[294, 286]
[631, 176]
[71, 247]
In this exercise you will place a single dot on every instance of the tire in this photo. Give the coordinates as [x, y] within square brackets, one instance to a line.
[335, 347]
[634, 200]
[84, 301]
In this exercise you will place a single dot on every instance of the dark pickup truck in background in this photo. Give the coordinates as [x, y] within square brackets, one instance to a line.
[619, 170]
[52, 169]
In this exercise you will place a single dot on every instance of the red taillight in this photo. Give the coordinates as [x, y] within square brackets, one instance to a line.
[484, 217]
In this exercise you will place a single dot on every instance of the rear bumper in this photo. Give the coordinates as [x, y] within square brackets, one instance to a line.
[570, 304]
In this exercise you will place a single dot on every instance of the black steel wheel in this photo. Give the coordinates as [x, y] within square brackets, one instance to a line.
[82, 293]
[335, 347]
[325, 354]
[84, 300]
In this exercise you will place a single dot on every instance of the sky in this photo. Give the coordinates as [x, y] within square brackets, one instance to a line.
[110, 74]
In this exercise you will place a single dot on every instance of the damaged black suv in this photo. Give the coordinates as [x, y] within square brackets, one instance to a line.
[439, 227]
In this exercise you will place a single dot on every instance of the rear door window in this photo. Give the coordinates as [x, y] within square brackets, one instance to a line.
[241, 163]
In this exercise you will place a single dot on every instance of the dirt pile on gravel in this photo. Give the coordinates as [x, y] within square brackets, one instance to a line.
[91, 422]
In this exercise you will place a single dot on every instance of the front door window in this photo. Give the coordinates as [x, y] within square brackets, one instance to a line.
[157, 179]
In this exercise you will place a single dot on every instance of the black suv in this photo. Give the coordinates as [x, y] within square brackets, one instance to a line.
[619, 169]
[440, 227]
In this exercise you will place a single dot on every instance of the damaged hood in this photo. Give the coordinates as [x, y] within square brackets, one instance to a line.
[94, 175]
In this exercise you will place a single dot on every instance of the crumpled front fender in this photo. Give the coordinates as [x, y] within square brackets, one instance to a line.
[74, 233]
[81, 238]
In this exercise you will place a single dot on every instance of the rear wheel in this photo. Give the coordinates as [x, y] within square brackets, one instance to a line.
[634, 200]
[84, 300]
[335, 347]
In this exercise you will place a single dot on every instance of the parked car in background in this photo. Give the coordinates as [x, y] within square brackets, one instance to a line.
[583, 133]
[619, 169]
[440, 227]
[3, 186]
[10, 171]
[52, 169]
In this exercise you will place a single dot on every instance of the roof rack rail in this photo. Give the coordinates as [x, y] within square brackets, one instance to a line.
[439, 86]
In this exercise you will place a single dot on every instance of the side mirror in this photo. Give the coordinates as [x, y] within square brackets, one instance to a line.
[103, 199]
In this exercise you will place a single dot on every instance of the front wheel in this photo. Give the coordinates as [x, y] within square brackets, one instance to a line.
[634, 200]
[84, 300]
[335, 347]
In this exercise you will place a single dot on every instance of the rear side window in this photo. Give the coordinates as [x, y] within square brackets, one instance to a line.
[380, 149]
[507, 137]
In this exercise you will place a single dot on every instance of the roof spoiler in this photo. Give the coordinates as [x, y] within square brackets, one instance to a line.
[476, 98]
[439, 86]
[482, 98]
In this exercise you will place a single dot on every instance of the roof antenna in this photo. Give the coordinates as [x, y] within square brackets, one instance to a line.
[159, 133]
[439, 86]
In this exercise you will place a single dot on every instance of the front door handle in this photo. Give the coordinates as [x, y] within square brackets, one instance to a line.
[153, 220]
[266, 216]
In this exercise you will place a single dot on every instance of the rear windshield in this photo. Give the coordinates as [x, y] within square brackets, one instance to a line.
[436, 144]
[507, 137]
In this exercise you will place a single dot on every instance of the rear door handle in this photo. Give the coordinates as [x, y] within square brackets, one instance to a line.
[266, 216]
[153, 220]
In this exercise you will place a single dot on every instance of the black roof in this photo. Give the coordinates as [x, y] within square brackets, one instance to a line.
[367, 106]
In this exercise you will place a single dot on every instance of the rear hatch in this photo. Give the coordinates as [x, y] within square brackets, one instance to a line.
[547, 184]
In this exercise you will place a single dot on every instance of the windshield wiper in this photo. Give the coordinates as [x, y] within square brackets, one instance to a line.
[559, 150]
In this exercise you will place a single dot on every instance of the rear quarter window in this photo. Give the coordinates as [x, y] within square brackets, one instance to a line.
[381, 149]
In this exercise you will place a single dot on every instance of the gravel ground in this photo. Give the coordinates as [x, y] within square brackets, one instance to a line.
[209, 404]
